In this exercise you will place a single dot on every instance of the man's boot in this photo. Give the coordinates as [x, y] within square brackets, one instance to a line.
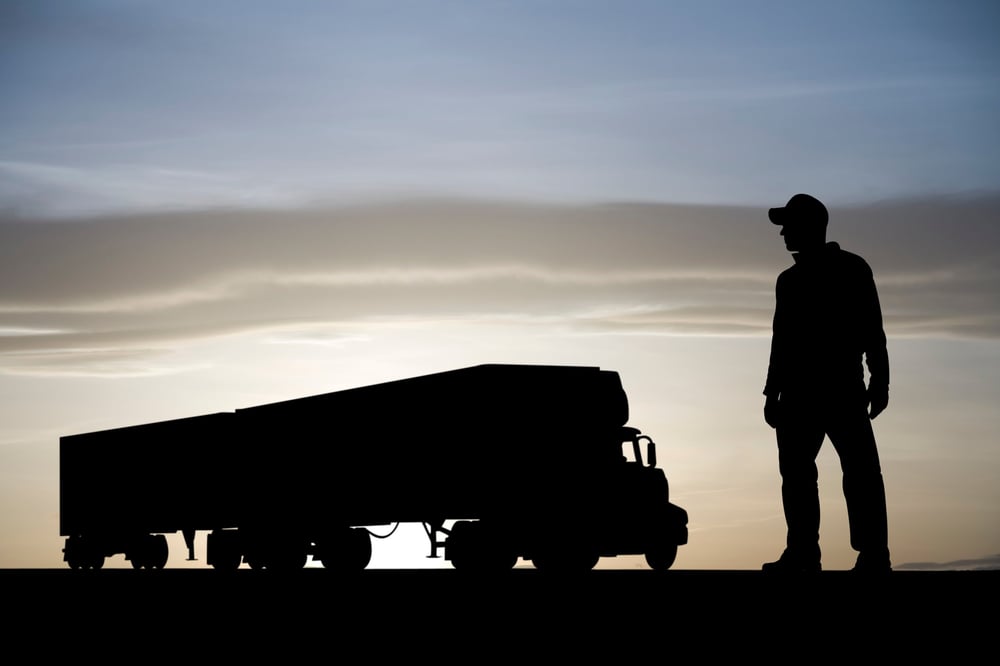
[792, 562]
[873, 564]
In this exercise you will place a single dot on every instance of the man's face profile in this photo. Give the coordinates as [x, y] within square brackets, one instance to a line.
[791, 231]
[800, 235]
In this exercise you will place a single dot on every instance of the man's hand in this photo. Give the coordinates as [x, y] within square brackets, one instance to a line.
[772, 411]
[878, 400]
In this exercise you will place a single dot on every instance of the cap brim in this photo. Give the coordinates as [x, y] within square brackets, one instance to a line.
[777, 215]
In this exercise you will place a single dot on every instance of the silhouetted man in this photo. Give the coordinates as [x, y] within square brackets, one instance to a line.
[827, 324]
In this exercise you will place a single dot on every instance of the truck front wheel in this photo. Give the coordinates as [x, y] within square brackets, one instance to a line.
[661, 557]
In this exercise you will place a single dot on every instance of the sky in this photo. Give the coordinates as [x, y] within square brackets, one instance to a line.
[209, 206]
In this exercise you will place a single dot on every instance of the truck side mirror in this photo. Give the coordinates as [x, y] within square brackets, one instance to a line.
[650, 450]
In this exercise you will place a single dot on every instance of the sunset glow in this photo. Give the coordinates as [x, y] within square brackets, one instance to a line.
[209, 207]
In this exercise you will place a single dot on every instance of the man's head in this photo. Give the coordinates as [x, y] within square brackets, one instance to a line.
[803, 222]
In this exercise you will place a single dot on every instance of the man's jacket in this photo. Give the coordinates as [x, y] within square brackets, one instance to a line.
[827, 322]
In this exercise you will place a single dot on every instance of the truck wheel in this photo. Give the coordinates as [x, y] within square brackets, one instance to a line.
[81, 554]
[224, 550]
[158, 552]
[479, 549]
[150, 552]
[661, 558]
[349, 551]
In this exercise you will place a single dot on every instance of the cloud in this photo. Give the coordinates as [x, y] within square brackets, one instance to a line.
[127, 361]
[977, 564]
[125, 285]
[64, 191]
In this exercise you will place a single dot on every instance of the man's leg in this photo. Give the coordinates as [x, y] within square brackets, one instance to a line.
[864, 489]
[799, 441]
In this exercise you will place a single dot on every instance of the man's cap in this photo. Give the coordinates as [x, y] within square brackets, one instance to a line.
[800, 208]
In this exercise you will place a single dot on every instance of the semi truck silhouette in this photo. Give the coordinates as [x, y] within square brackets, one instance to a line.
[497, 462]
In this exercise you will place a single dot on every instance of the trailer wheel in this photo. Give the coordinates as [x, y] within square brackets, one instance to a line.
[82, 554]
[661, 557]
[224, 550]
[150, 552]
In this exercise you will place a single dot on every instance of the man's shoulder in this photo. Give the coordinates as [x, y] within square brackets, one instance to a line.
[833, 259]
[788, 273]
[848, 259]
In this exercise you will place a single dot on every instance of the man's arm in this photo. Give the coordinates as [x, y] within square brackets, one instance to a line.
[876, 353]
[878, 400]
[772, 411]
[772, 385]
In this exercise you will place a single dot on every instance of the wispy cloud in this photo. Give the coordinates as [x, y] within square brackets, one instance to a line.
[66, 190]
[128, 361]
[125, 285]
[976, 564]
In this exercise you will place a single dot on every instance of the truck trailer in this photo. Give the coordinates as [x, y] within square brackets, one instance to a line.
[497, 462]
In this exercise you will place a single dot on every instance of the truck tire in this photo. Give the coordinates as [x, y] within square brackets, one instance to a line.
[149, 552]
[83, 554]
[661, 557]
[480, 549]
[350, 550]
[224, 550]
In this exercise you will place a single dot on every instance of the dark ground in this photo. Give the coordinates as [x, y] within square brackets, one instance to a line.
[525, 615]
